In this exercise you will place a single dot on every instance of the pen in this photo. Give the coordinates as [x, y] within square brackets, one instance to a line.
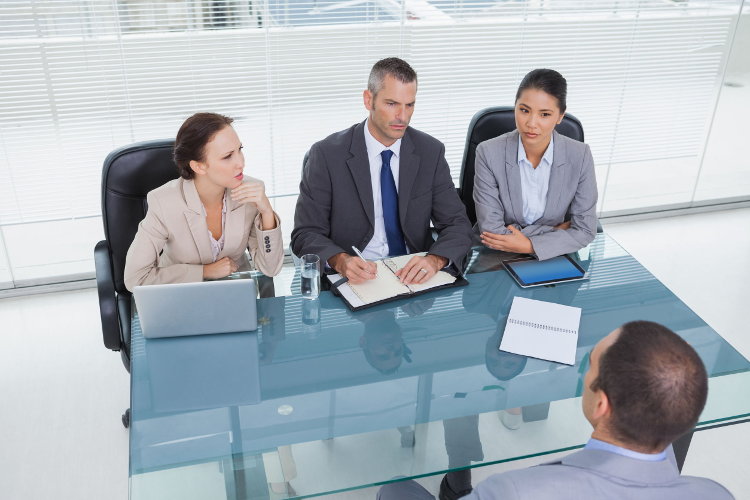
[359, 254]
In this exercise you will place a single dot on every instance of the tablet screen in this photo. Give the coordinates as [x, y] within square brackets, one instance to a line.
[559, 268]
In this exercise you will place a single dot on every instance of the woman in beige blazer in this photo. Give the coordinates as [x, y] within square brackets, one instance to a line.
[198, 226]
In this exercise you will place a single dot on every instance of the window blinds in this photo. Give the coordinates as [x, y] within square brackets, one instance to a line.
[82, 77]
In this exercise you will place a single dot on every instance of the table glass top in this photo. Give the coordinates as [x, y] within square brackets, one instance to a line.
[323, 399]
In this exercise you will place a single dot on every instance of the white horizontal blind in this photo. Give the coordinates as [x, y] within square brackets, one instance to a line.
[79, 78]
[642, 76]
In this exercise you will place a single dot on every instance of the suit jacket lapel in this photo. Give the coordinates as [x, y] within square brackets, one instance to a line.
[196, 221]
[407, 174]
[513, 176]
[234, 227]
[556, 177]
[359, 166]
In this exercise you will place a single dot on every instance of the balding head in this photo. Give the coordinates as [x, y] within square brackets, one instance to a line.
[655, 383]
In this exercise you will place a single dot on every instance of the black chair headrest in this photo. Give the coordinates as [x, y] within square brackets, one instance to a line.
[128, 174]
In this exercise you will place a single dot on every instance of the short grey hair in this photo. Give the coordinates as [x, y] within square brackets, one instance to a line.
[397, 68]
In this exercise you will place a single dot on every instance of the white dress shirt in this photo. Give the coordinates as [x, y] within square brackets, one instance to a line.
[534, 182]
[377, 248]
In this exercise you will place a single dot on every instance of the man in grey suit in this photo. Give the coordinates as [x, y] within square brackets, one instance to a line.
[645, 388]
[377, 185]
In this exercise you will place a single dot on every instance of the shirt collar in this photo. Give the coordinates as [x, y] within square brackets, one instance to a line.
[546, 157]
[374, 147]
[595, 444]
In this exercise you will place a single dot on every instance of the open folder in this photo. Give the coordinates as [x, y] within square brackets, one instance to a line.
[386, 285]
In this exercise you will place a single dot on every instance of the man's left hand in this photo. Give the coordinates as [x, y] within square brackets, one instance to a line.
[516, 241]
[420, 269]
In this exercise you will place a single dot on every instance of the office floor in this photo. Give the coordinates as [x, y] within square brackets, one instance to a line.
[62, 392]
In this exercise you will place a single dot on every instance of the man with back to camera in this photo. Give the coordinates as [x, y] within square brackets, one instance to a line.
[645, 387]
[376, 186]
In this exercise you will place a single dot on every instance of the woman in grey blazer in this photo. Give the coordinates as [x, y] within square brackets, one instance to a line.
[534, 189]
[198, 226]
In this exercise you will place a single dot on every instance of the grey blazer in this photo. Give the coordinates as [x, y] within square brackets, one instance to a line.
[601, 475]
[571, 195]
[335, 208]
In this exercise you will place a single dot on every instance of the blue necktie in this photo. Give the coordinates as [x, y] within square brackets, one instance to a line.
[389, 198]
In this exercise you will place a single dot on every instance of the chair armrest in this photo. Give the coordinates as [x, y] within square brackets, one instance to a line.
[107, 298]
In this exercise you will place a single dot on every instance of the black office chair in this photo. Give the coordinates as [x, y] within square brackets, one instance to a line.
[128, 174]
[489, 123]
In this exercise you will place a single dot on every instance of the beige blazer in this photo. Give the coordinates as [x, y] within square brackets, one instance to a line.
[172, 242]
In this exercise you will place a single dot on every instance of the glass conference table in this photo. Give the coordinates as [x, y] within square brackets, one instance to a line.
[321, 400]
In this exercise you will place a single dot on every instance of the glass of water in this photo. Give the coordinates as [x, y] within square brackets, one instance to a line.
[309, 268]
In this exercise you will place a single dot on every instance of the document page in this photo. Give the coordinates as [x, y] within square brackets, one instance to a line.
[384, 286]
[440, 278]
[543, 330]
[346, 291]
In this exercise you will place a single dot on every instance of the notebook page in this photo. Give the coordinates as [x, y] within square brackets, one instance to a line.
[384, 286]
[543, 330]
[346, 291]
[440, 278]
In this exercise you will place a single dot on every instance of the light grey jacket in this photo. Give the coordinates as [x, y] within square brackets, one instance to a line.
[572, 194]
[601, 475]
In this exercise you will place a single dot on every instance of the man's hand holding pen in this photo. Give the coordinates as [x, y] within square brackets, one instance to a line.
[356, 269]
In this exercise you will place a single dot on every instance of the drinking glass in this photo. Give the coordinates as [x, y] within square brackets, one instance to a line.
[309, 276]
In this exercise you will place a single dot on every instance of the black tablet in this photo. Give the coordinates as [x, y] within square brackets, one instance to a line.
[527, 271]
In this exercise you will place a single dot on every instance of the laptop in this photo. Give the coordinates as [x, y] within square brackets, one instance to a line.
[182, 309]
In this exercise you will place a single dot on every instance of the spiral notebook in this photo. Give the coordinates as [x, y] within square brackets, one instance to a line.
[543, 330]
[386, 286]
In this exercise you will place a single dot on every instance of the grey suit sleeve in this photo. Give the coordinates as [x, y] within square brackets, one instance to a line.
[582, 218]
[535, 229]
[449, 218]
[312, 216]
[490, 211]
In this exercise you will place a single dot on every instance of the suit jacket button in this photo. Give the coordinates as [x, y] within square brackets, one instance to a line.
[268, 250]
